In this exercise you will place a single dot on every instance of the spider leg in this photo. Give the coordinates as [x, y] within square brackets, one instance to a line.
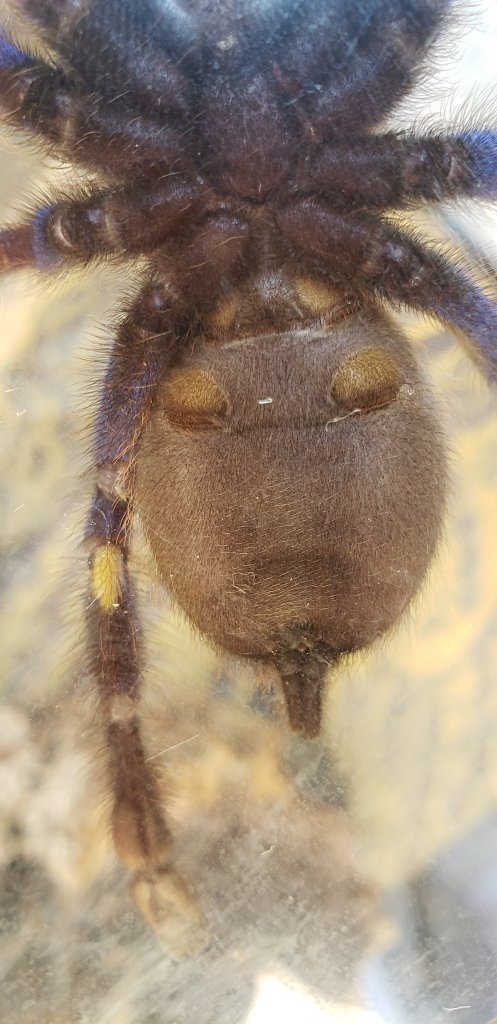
[347, 64]
[394, 171]
[122, 49]
[78, 125]
[107, 222]
[388, 263]
[144, 348]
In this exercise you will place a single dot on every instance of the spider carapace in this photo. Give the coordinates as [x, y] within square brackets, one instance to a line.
[259, 410]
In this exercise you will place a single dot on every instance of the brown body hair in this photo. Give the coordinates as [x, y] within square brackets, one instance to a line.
[292, 486]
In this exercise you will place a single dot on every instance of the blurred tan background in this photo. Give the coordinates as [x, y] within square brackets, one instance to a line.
[302, 854]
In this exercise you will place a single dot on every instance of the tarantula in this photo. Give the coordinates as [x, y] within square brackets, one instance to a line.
[259, 410]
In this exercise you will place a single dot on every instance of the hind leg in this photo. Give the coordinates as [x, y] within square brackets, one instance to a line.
[143, 350]
[374, 258]
[388, 171]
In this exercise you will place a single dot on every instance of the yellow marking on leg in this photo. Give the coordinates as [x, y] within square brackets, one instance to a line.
[107, 576]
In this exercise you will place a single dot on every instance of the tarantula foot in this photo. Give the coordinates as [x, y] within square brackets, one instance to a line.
[171, 910]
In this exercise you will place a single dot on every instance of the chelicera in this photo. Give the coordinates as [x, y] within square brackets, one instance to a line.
[260, 411]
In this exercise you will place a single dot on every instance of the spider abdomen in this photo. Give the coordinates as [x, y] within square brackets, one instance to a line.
[284, 510]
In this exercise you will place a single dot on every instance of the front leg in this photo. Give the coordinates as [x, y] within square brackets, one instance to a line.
[122, 47]
[347, 64]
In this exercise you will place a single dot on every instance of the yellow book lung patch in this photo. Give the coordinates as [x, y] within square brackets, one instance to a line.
[107, 576]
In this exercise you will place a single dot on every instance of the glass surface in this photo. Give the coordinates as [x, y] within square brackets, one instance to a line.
[350, 879]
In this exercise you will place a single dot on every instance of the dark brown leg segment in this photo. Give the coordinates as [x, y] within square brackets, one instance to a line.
[384, 171]
[110, 222]
[377, 259]
[101, 136]
[142, 838]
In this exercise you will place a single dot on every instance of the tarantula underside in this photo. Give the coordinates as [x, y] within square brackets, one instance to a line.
[259, 410]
